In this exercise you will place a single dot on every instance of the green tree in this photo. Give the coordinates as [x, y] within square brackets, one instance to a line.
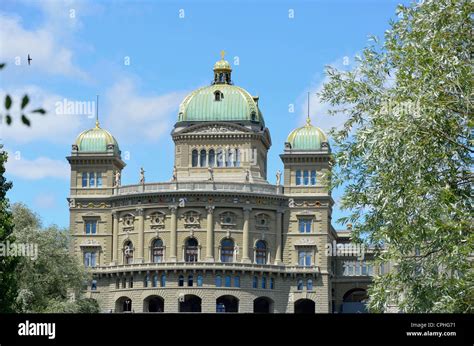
[47, 282]
[405, 155]
[8, 264]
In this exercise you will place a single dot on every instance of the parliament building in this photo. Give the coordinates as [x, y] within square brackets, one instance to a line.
[217, 236]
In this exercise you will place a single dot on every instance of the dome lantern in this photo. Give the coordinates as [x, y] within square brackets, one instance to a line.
[222, 71]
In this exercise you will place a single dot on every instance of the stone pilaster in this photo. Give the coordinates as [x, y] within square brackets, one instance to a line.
[115, 231]
[245, 242]
[278, 243]
[210, 234]
[140, 228]
[174, 233]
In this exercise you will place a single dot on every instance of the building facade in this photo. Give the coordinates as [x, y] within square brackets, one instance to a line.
[216, 237]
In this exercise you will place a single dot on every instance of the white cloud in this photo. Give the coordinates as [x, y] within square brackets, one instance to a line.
[319, 110]
[51, 127]
[39, 168]
[137, 117]
[47, 53]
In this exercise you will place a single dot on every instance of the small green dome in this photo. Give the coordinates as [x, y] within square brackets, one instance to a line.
[96, 140]
[307, 137]
[220, 102]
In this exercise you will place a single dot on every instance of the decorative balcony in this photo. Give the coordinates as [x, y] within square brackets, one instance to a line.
[265, 189]
[196, 266]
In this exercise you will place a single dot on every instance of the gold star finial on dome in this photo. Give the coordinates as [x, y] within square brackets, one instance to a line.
[97, 112]
[222, 54]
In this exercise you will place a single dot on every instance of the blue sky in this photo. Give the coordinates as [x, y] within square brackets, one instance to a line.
[80, 49]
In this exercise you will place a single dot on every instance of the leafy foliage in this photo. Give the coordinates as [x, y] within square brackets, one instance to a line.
[8, 265]
[48, 282]
[405, 153]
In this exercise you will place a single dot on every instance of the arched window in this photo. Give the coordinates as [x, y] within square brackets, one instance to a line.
[117, 283]
[212, 158]
[230, 158]
[309, 285]
[190, 280]
[124, 282]
[128, 252]
[255, 282]
[228, 281]
[218, 281]
[218, 96]
[163, 280]
[298, 177]
[157, 251]
[202, 158]
[191, 250]
[199, 280]
[237, 158]
[220, 157]
[227, 250]
[237, 281]
[313, 177]
[155, 280]
[130, 282]
[194, 159]
[146, 280]
[261, 252]
[181, 281]
[299, 284]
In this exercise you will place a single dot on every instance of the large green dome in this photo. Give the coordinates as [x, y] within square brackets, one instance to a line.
[233, 104]
[307, 137]
[221, 101]
[96, 140]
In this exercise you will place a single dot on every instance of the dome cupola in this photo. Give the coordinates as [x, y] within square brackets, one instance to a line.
[307, 138]
[96, 140]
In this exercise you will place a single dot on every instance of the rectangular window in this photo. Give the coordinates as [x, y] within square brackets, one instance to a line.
[91, 227]
[89, 259]
[228, 281]
[264, 282]
[313, 177]
[304, 258]
[304, 225]
[91, 179]
[237, 281]
[84, 179]
[357, 268]
[99, 179]
[298, 177]
[305, 177]
[364, 268]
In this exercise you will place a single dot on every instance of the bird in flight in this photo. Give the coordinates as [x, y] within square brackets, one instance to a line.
[29, 60]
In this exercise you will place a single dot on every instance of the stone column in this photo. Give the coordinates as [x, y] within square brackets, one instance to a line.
[210, 234]
[278, 249]
[140, 228]
[173, 233]
[115, 230]
[245, 243]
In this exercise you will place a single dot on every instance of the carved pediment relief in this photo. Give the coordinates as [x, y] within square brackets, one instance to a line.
[305, 242]
[192, 219]
[215, 128]
[157, 220]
